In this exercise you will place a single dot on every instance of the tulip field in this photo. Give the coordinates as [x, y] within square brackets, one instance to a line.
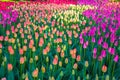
[50, 41]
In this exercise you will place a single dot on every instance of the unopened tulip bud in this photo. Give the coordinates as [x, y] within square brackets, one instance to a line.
[51, 67]
[107, 77]
[104, 68]
[52, 78]
[73, 72]
[66, 61]
[61, 73]
[33, 49]
[10, 67]
[86, 64]
[96, 77]
[113, 78]
[87, 77]
[31, 60]
[78, 78]
[22, 60]
[43, 69]
[3, 63]
[35, 73]
[36, 58]
[15, 47]
[47, 59]
[75, 66]
[60, 63]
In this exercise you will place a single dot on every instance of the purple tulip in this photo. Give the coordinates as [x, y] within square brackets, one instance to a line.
[107, 35]
[105, 45]
[116, 58]
[100, 40]
[111, 51]
[93, 40]
[103, 53]
[84, 46]
[81, 41]
[100, 58]
[95, 50]
[94, 55]
[116, 43]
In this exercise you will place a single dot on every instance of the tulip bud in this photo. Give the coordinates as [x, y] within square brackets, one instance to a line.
[31, 60]
[78, 78]
[3, 63]
[47, 59]
[10, 67]
[22, 60]
[61, 73]
[43, 69]
[66, 60]
[75, 66]
[87, 77]
[33, 49]
[104, 68]
[35, 73]
[52, 78]
[86, 64]
[14, 46]
[51, 67]
[60, 63]
[107, 77]
[113, 78]
[73, 72]
[96, 78]
[36, 58]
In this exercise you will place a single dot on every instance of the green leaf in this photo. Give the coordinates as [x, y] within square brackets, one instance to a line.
[10, 76]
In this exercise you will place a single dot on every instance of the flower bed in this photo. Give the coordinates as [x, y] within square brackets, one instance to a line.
[60, 41]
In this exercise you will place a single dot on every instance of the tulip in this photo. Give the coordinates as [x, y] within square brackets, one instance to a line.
[78, 58]
[105, 45]
[104, 68]
[55, 60]
[22, 60]
[4, 78]
[116, 58]
[35, 73]
[10, 49]
[75, 66]
[10, 67]
[43, 69]
[94, 50]
[66, 60]
[103, 53]
[86, 64]
[21, 52]
[60, 63]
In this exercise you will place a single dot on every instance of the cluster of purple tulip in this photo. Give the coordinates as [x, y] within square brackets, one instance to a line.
[8, 16]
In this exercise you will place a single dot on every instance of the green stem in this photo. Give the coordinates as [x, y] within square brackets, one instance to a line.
[103, 77]
[113, 70]
[100, 67]
[84, 72]
[84, 53]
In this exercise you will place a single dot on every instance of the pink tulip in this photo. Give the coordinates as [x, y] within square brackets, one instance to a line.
[111, 51]
[116, 58]
[103, 53]
[93, 40]
[105, 45]
[95, 50]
